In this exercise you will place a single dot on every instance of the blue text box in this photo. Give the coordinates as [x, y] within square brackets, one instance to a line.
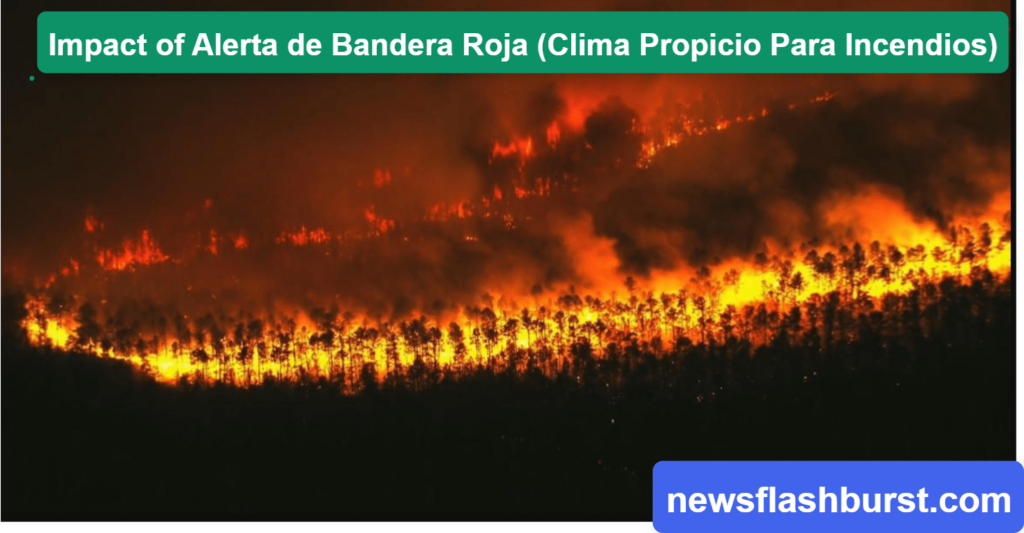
[796, 496]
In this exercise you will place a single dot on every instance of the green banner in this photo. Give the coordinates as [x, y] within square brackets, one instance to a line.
[523, 42]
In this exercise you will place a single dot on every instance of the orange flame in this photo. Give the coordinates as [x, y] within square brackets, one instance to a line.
[92, 224]
[145, 251]
[554, 133]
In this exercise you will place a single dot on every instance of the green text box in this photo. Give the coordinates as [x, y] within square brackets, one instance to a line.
[982, 36]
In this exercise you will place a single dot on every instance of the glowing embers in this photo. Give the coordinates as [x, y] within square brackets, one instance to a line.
[379, 224]
[304, 237]
[381, 178]
[684, 127]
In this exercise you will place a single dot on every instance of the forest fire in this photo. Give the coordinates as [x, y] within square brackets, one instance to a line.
[745, 302]
[878, 257]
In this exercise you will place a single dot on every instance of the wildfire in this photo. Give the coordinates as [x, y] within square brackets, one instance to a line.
[212, 246]
[738, 297]
[335, 346]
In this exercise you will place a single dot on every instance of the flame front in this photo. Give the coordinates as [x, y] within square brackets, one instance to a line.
[744, 300]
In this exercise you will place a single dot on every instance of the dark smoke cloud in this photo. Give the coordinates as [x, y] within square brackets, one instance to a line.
[717, 197]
